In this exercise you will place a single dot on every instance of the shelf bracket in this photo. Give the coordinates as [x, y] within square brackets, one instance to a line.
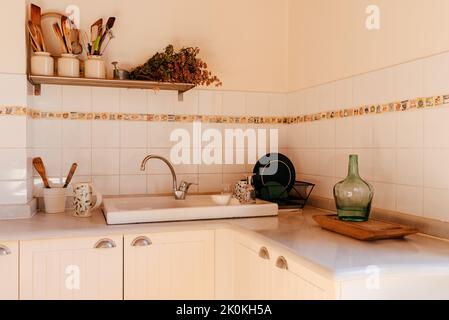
[37, 89]
[180, 96]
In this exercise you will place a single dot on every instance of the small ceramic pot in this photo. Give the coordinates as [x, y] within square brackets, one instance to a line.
[95, 67]
[68, 66]
[54, 200]
[42, 64]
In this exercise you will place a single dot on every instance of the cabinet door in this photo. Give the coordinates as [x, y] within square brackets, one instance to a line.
[178, 265]
[9, 271]
[66, 269]
[263, 272]
[252, 270]
[292, 283]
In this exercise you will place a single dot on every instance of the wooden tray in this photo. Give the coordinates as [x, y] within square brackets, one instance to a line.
[365, 231]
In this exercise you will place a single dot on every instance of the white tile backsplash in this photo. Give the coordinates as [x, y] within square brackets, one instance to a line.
[105, 100]
[77, 134]
[257, 104]
[134, 101]
[76, 99]
[133, 185]
[133, 134]
[210, 102]
[105, 162]
[105, 134]
[234, 103]
[14, 129]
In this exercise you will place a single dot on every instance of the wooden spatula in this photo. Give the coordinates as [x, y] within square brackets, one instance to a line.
[70, 175]
[66, 34]
[60, 38]
[40, 168]
[109, 26]
[35, 15]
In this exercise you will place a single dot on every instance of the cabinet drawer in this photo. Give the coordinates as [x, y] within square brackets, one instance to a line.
[178, 265]
[9, 271]
[66, 269]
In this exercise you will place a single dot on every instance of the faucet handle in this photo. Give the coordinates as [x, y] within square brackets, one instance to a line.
[184, 186]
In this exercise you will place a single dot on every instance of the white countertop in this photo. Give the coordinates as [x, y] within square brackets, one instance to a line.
[336, 255]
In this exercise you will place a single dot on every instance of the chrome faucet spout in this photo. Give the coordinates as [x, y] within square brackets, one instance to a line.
[170, 166]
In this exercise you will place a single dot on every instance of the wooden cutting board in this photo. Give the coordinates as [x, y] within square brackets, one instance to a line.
[365, 231]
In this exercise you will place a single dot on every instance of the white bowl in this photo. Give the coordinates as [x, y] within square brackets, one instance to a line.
[221, 199]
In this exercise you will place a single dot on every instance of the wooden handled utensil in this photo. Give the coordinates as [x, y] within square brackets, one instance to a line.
[109, 25]
[66, 34]
[60, 38]
[70, 175]
[35, 15]
[40, 168]
[34, 36]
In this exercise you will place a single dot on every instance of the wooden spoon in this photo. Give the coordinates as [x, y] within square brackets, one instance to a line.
[34, 36]
[40, 168]
[70, 175]
[60, 38]
[109, 26]
[66, 34]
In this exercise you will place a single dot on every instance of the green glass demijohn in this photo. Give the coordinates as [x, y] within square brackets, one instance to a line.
[353, 196]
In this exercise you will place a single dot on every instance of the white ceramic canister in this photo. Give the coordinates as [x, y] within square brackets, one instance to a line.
[68, 66]
[42, 64]
[55, 199]
[95, 68]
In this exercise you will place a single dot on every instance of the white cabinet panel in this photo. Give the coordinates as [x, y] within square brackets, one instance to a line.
[178, 265]
[266, 273]
[9, 271]
[70, 269]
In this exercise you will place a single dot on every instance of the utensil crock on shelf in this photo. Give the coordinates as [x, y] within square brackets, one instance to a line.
[54, 199]
[95, 67]
[68, 66]
[42, 64]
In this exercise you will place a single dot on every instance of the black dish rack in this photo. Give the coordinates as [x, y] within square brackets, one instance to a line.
[296, 198]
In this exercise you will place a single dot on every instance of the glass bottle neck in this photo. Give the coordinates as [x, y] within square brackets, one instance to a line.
[353, 169]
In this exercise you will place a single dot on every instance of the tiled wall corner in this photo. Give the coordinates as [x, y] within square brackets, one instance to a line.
[403, 154]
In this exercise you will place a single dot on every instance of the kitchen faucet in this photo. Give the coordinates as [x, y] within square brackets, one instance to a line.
[180, 192]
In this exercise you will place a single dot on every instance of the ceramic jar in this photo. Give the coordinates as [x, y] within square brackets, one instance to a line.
[95, 67]
[68, 66]
[42, 64]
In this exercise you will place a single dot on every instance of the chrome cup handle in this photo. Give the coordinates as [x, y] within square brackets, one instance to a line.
[4, 251]
[105, 244]
[141, 242]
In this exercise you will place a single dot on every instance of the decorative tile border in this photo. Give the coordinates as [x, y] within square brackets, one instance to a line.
[399, 106]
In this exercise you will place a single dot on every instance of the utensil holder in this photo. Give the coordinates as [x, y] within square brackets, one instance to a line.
[55, 200]
[68, 66]
[42, 64]
[95, 67]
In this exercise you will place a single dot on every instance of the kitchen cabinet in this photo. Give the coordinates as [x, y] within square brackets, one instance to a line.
[267, 273]
[176, 265]
[9, 270]
[71, 269]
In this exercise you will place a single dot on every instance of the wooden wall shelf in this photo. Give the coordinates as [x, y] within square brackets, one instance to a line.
[37, 81]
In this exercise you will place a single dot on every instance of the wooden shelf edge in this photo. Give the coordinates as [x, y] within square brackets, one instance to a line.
[181, 88]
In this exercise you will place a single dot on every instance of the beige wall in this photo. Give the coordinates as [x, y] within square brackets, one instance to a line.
[12, 34]
[328, 39]
[244, 42]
